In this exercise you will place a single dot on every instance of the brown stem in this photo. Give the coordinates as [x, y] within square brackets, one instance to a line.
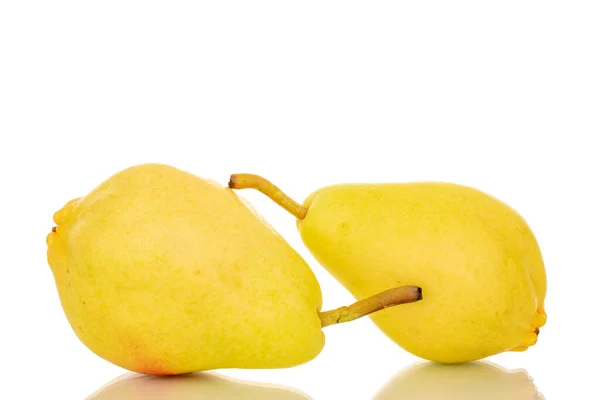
[389, 298]
[249, 181]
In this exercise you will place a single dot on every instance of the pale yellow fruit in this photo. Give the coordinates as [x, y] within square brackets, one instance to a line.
[476, 259]
[162, 272]
[196, 386]
[472, 381]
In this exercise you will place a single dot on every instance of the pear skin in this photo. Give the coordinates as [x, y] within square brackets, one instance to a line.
[162, 272]
[476, 259]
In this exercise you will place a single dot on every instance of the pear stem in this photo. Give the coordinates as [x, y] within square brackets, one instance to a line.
[389, 298]
[249, 181]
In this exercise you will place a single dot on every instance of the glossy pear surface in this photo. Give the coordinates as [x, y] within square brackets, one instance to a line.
[196, 386]
[162, 272]
[476, 259]
[471, 381]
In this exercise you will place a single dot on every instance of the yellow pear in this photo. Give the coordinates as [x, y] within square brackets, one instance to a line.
[471, 381]
[202, 385]
[163, 272]
[477, 260]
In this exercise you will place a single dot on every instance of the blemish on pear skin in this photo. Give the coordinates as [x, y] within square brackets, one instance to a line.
[144, 364]
[153, 368]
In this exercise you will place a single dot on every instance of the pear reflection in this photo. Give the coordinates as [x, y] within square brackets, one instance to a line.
[196, 386]
[471, 381]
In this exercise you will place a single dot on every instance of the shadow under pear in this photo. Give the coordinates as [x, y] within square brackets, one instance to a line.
[470, 381]
[201, 385]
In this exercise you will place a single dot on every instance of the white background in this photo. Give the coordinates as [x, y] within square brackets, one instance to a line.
[504, 96]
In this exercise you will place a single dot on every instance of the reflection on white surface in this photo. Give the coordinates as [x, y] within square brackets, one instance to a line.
[472, 381]
[207, 386]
